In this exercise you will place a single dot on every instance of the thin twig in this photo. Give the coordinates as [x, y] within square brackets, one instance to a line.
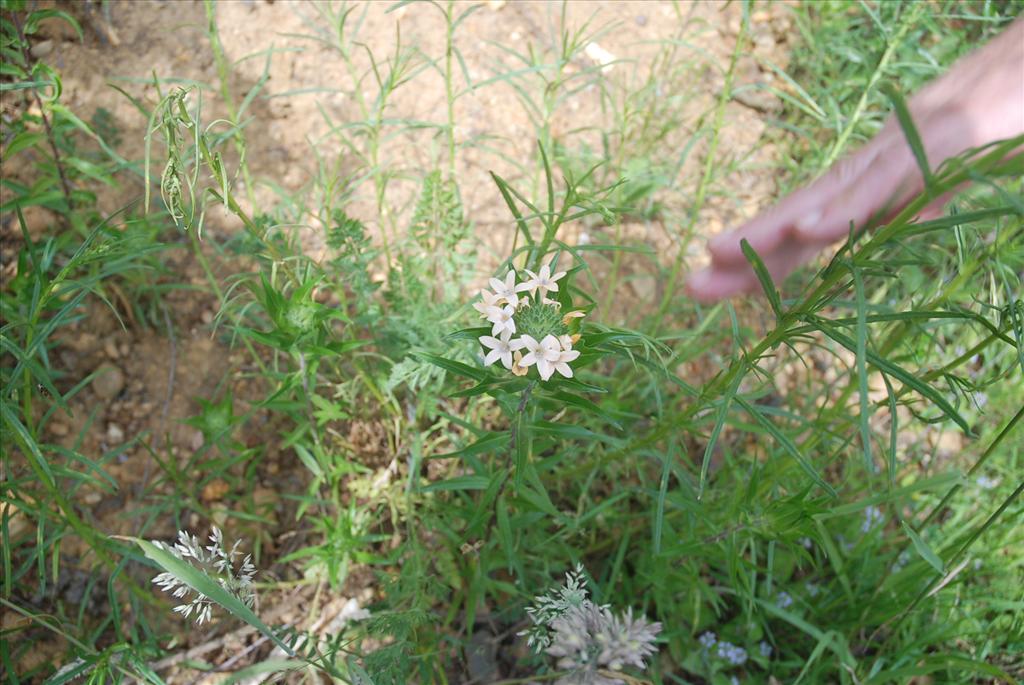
[64, 185]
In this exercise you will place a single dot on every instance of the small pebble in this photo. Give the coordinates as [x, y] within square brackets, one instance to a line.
[42, 49]
[641, 20]
[108, 382]
[110, 349]
[58, 429]
[115, 434]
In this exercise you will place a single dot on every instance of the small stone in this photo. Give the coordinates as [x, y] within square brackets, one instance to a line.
[110, 349]
[207, 316]
[264, 497]
[84, 343]
[219, 515]
[641, 20]
[215, 490]
[108, 381]
[115, 434]
[124, 348]
[196, 440]
[92, 498]
[42, 49]
[58, 429]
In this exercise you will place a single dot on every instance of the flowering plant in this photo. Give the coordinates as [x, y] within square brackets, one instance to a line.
[543, 331]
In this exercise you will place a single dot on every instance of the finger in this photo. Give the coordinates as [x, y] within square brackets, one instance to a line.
[883, 186]
[719, 281]
[806, 206]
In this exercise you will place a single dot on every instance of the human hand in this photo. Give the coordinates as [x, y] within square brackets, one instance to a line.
[978, 101]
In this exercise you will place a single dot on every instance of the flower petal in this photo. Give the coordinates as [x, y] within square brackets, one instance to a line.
[492, 356]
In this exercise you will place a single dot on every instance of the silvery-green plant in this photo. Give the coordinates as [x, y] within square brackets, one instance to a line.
[588, 641]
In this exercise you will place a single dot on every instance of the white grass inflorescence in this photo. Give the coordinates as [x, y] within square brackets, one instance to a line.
[218, 563]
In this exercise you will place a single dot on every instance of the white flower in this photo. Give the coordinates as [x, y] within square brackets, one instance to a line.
[502, 319]
[564, 357]
[487, 300]
[550, 354]
[507, 290]
[545, 354]
[501, 348]
[543, 281]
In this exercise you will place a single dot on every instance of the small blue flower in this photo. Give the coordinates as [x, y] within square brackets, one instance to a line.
[872, 517]
[707, 640]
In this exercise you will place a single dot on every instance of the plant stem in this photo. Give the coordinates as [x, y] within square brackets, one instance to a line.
[64, 184]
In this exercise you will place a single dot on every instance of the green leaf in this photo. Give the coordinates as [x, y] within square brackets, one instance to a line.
[786, 444]
[23, 140]
[585, 405]
[458, 368]
[862, 370]
[761, 271]
[899, 373]
[503, 188]
[469, 333]
[723, 412]
[910, 132]
[923, 549]
[459, 483]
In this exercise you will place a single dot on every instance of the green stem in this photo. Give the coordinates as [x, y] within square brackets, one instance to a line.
[709, 163]
[224, 76]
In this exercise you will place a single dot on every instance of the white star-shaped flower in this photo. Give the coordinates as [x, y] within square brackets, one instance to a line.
[487, 300]
[566, 355]
[507, 289]
[502, 319]
[542, 281]
[545, 354]
[500, 348]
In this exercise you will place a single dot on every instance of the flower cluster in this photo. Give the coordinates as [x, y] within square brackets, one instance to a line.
[872, 517]
[216, 561]
[587, 638]
[543, 339]
[734, 654]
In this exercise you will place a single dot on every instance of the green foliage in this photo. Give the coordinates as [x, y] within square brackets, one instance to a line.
[775, 474]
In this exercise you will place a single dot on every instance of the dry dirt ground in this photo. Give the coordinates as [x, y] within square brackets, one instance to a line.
[148, 381]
